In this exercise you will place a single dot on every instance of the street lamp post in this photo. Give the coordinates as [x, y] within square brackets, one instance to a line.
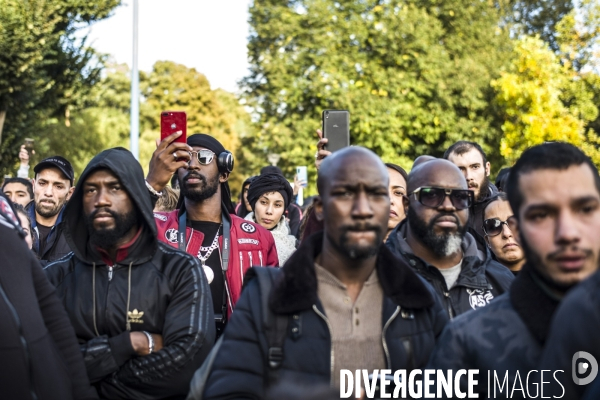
[134, 119]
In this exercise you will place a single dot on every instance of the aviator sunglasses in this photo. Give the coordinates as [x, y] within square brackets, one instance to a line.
[493, 226]
[434, 197]
[204, 156]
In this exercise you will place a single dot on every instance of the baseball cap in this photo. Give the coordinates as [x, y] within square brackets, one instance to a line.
[56, 162]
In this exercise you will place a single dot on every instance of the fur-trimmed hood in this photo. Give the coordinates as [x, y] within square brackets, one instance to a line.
[296, 289]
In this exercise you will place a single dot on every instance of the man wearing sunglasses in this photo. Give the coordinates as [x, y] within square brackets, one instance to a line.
[498, 216]
[554, 191]
[204, 223]
[435, 242]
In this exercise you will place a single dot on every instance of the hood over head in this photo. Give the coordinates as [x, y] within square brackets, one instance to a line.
[124, 166]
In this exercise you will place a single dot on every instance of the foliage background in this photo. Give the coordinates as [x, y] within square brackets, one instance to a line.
[416, 75]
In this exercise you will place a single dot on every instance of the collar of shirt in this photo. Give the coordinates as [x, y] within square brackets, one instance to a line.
[122, 251]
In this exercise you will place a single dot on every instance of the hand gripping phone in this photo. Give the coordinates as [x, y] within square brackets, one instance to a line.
[336, 128]
[171, 122]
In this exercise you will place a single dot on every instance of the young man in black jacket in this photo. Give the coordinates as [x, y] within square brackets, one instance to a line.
[349, 302]
[141, 309]
[554, 191]
[39, 351]
[434, 240]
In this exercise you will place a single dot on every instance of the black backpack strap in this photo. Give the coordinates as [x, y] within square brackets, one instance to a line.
[274, 325]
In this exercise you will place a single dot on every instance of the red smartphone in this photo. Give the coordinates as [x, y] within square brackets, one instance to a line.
[171, 122]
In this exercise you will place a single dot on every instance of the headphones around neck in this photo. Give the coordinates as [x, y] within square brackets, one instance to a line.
[225, 162]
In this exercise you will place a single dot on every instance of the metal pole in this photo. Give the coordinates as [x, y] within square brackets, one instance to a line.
[135, 90]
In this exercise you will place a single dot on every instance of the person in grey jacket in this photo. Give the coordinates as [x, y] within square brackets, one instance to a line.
[142, 310]
[434, 240]
[554, 190]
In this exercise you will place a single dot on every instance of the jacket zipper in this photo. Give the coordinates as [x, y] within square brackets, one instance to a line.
[110, 272]
[331, 360]
[385, 346]
[448, 303]
[242, 267]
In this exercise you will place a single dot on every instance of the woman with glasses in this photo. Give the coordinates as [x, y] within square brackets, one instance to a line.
[397, 188]
[497, 222]
[269, 196]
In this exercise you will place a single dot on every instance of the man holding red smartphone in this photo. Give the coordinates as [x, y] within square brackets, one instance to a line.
[205, 225]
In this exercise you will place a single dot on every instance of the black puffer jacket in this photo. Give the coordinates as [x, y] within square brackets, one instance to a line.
[480, 280]
[504, 338]
[575, 328]
[412, 317]
[155, 288]
[38, 350]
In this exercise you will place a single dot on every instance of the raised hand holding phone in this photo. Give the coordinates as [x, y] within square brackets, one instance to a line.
[172, 152]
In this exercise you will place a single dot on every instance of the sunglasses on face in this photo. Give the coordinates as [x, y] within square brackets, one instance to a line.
[434, 197]
[493, 226]
[204, 157]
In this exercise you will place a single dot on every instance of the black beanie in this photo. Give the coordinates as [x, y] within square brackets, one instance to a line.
[270, 169]
[268, 183]
[206, 141]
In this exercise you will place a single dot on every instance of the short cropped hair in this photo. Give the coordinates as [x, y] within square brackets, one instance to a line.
[551, 155]
[22, 181]
[462, 147]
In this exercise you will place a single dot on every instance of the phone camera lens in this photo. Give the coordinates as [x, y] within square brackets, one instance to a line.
[165, 114]
[326, 114]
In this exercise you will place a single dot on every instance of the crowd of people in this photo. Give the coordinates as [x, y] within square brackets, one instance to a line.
[160, 287]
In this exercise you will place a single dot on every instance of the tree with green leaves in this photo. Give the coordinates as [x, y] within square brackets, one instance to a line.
[44, 68]
[414, 75]
[543, 100]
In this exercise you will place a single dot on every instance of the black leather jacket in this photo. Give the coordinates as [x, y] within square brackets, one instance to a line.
[155, 288]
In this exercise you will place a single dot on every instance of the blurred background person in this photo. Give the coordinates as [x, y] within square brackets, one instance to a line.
[168, 201]
[25, 224]
[398, 178]
[501, 179]
[18, 190]
[497, 216]
[269, 196]
[243, 207]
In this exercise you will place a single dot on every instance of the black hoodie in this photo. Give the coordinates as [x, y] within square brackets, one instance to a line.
[155, 288]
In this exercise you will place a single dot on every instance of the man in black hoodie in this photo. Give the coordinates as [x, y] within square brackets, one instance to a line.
[141, 310]
[554, 190]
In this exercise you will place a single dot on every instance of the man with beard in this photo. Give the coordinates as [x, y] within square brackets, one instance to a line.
[348, 301]
[470, 158]
[52, 188]
[554, 191]
[205, 224]
[141, 310]
[434, 241]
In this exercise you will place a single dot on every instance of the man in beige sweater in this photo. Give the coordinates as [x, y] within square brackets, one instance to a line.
[348, 301]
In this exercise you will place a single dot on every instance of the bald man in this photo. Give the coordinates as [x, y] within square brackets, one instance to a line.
[336, 293]
[434, 240]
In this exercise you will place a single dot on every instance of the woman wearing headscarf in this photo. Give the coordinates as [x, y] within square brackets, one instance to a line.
[269, 196]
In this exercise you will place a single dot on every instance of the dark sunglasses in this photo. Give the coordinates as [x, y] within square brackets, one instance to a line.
[204, 156]
[434, 197]
[493, 226]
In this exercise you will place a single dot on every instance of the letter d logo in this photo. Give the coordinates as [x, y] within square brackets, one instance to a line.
[580, 368]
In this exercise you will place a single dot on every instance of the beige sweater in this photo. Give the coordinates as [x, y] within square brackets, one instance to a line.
[356, 328]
